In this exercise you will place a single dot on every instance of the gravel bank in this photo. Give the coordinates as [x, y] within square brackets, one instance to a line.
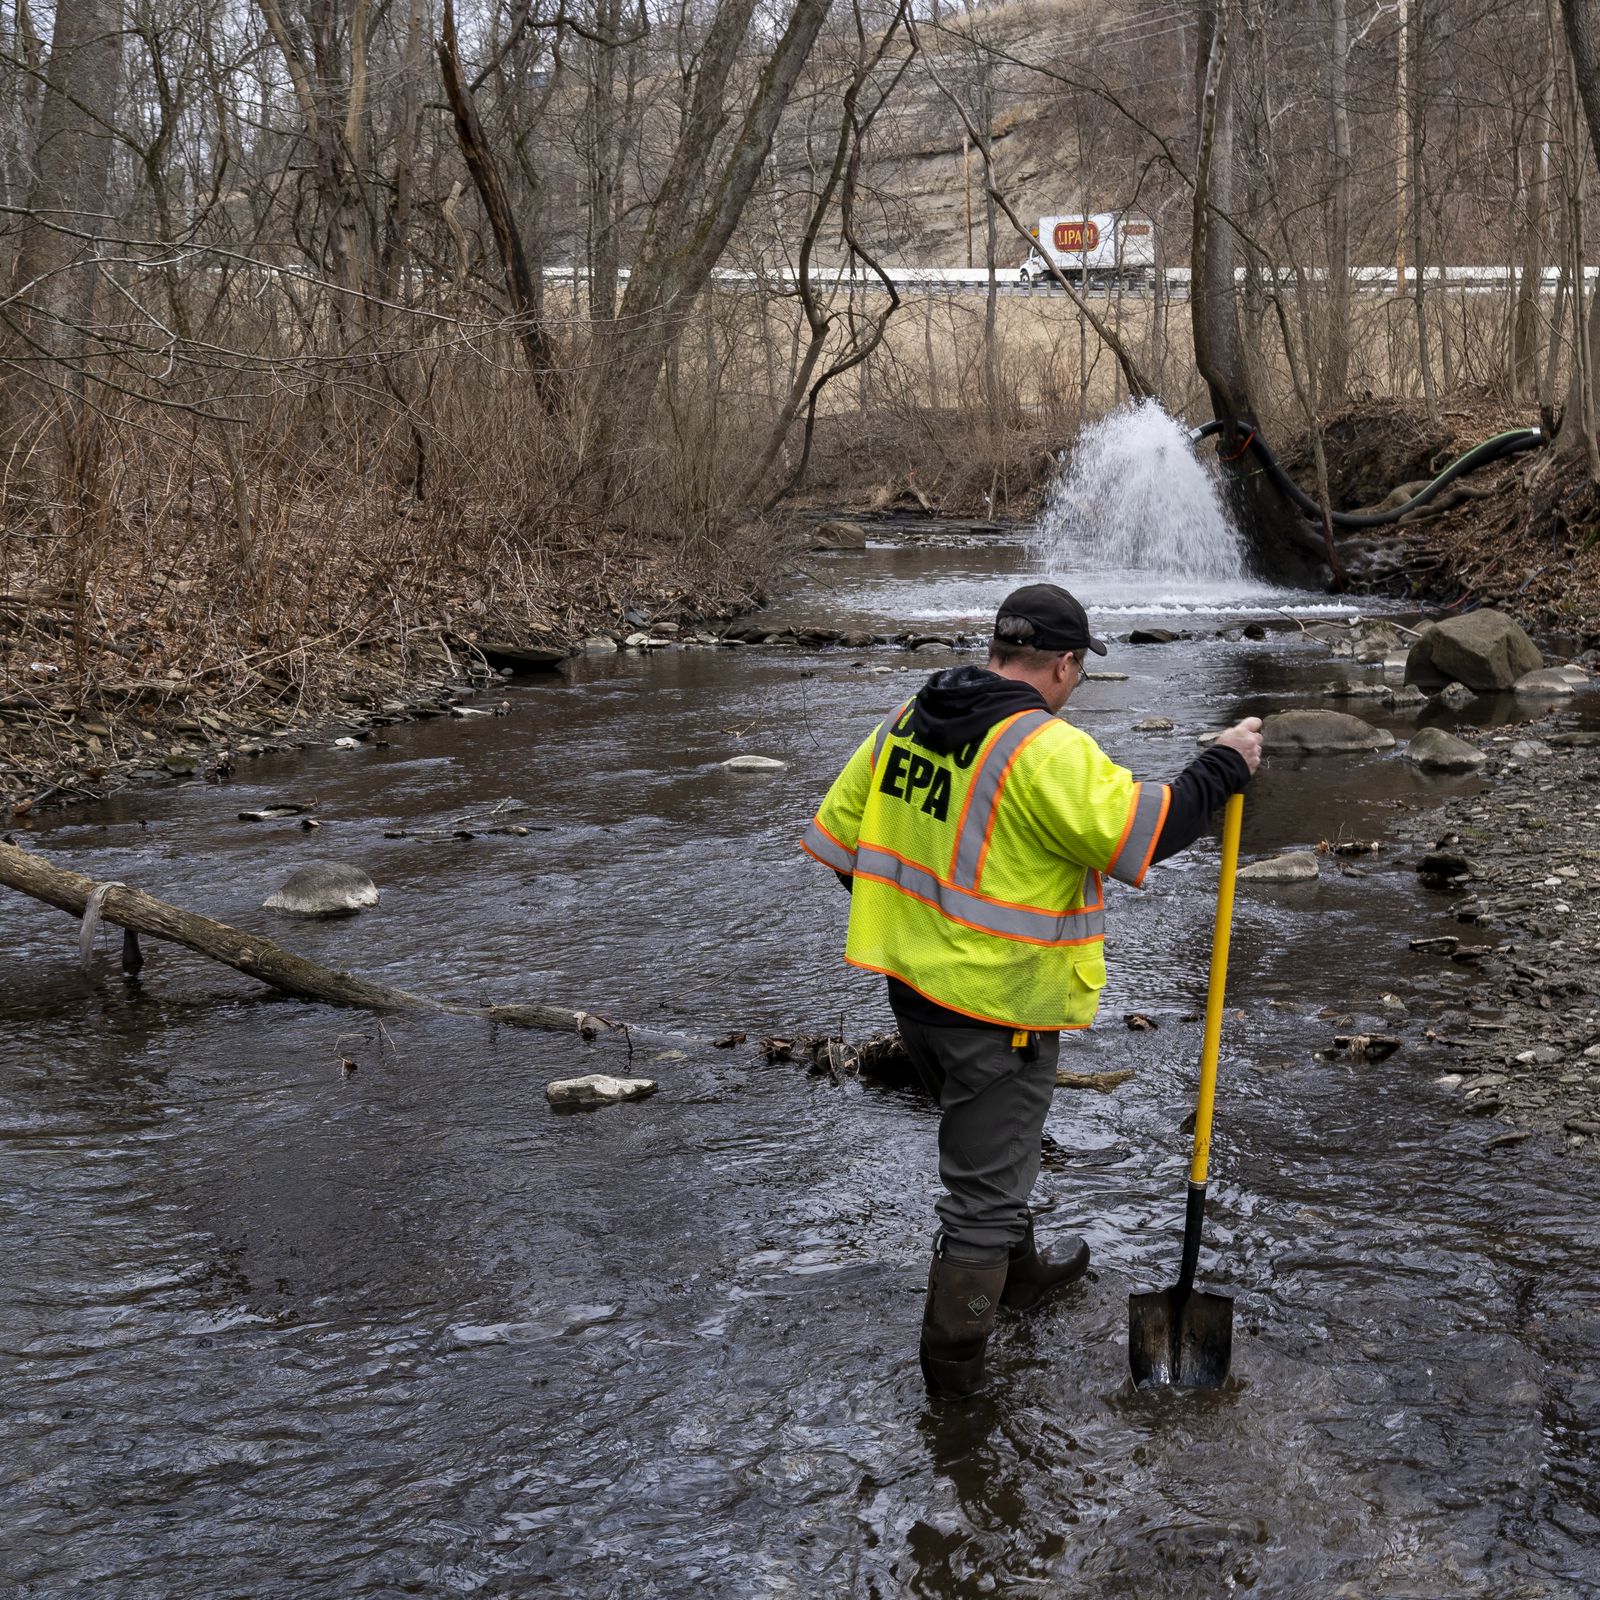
[1522, 860]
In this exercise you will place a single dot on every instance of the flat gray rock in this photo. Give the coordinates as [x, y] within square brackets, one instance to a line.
[1434, 750]
[597, 1089]
[754, 764]
[1320, 733]
[1154, 725]
[1547, 680]
[1300, 866]
[324, 889]
[1486, 650]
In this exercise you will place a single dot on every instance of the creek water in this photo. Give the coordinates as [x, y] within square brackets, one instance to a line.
[270, 1328]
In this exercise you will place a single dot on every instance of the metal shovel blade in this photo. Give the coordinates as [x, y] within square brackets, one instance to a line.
[1180, 1339]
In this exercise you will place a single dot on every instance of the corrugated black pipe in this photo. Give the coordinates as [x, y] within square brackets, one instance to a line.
[1495, 449]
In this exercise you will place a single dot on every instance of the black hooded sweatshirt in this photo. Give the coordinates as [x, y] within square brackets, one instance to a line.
[961, 704]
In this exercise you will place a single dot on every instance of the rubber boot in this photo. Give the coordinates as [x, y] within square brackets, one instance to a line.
[1030, 1278]
[957, 1319]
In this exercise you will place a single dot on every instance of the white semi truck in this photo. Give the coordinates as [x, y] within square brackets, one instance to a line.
[1094, 252]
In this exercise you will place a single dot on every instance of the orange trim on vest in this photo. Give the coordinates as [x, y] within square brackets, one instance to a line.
[972, 788]
[1161, 822]
[823, 829]
[1127, 827]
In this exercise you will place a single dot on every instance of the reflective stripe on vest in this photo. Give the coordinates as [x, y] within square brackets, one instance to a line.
[972, 838]
[822, 844]
[1132, 859]
[1079, 926]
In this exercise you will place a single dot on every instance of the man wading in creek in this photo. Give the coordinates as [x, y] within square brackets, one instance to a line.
[972, 827]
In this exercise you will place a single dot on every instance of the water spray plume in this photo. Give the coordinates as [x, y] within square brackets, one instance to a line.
[1133, 495]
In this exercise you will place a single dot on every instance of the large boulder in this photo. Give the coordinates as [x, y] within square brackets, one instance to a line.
[1486, 650]
[324, 889]
[1434, 750]
[1321, 733]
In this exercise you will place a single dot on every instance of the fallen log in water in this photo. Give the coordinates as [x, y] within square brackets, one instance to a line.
[140, 913]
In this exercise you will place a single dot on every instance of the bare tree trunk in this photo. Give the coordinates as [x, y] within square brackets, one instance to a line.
[1552, 355]
[1526, 332]
[1402, 145]
[57, 269]
[1417, 121]
[1578, 23]
[491, 191]
[1336, 371]
[1272, 523]
[1577, 430]
[603, 158]
[991, 358]
[1218, 350]
[396, 246]
[696, 211]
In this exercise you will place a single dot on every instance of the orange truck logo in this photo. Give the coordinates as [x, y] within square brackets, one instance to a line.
[1073, 238]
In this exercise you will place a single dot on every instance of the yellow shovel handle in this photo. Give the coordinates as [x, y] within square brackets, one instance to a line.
[1232, 817]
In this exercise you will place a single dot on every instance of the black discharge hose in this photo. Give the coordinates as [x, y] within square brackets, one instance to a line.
[1495, 449]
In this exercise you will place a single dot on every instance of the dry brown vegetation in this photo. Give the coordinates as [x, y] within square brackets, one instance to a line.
[292, 401]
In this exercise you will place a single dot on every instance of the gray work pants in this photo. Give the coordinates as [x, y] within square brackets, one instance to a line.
[993, 1106]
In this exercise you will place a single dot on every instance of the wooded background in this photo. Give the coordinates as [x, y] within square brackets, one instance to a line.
[436, 284]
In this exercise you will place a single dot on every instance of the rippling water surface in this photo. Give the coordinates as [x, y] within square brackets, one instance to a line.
[268, 1329]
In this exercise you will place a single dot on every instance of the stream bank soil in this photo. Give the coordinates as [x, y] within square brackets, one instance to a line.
[1522, 535]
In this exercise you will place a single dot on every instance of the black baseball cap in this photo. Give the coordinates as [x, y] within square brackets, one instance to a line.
[1044, 616]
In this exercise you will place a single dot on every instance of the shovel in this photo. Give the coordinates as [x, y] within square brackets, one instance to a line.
[1183, 1335]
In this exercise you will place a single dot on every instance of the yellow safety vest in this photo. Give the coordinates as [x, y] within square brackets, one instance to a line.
[976, 875]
